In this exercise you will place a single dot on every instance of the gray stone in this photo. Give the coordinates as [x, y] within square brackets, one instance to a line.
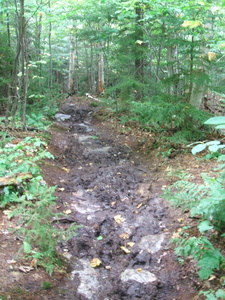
[139, 276]
[85, 139]
[152, 243]
[103, 150]
[87, 128]
[62, 117]
[89, 284]
[69, 109]
[85, 207]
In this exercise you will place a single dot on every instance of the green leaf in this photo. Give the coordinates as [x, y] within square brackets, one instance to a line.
[220, 294]
[212, 143]
[214, 148]
[27, 247]
[220, 127]
[204, 226]
[215, 121]
[221, 158]
[198, 148]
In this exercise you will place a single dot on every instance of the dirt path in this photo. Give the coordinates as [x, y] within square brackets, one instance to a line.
[122, 251]
[126, 228]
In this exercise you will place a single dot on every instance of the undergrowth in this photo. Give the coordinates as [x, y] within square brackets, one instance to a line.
[206, 202]
[31, 201]
[177, 121]
[173, 120]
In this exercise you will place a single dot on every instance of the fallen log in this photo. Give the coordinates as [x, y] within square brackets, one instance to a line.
[15, 180]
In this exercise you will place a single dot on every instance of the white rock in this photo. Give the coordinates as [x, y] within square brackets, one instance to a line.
[62, 117]
[139, 276]
[153, 243]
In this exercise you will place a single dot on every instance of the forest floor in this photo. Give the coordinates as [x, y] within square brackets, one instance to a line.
[111, 182]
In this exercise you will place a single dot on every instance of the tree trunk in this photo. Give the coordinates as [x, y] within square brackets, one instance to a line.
[101, 74]
[93, 71]
[197, 93]
[172, 69]
[16, 86]
[139, 50]
[24, 64]
[198, 76]
[50, 53]
[71, 83]
[38, 43]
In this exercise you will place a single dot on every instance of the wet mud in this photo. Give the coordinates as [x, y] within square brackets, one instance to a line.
[122, 250]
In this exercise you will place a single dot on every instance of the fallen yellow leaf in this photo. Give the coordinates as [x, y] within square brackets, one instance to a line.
[124, 236]
[33, 263]
[96, 262]
[131, 244]
[139, 205]
[180, 220]
[61, 189]
[139, 270]
[125, 250]
[68, 211]
[119, 219]
[212, 277]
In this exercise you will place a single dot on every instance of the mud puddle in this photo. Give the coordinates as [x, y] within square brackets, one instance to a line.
[122, 251]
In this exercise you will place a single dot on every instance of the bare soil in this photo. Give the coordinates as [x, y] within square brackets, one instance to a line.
[111, 182]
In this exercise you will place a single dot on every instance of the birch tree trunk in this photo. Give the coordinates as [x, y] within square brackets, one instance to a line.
[71, 83]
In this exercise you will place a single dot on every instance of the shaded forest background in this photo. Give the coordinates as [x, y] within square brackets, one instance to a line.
[157, 61]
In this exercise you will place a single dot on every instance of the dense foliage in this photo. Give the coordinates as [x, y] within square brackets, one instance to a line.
[206, 202]
[31, 201]
[125, 50]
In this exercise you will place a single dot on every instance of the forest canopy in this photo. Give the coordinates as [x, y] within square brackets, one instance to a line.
[144, 54]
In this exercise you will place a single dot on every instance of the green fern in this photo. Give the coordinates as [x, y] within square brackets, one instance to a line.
[27, 247]
[201, 249]
[185, 194]
[208, 201]
[179, 122]
[34, 203]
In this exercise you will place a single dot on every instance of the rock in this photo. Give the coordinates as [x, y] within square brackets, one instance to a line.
[62, 117]
[152, 243]
[97, 151]
[85, 139]
[69, 108]
[142, 258]
[85, 207]
[83, 128]
[138, 284]
[139, 276]
[89, 284]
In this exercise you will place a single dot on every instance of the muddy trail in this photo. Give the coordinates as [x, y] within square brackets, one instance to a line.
[122, 250]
